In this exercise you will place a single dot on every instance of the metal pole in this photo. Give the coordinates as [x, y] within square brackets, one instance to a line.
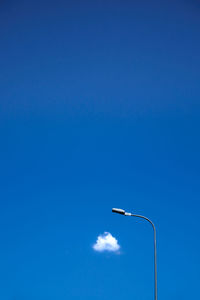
[155, 253]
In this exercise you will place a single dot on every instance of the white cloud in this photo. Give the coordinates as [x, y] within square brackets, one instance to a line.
[106, 242]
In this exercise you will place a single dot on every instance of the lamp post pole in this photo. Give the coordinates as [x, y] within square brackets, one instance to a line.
[123, 212]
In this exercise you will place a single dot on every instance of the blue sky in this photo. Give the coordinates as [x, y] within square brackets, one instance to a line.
[99, 108]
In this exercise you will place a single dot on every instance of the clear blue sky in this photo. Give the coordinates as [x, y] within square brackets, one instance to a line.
[99, 108]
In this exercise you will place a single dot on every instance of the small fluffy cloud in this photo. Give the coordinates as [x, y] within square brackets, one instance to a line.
[106, 242]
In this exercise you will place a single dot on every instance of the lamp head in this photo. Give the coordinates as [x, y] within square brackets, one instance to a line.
[118, 211]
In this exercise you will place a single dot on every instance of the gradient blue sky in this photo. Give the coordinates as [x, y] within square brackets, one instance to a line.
[99, 108]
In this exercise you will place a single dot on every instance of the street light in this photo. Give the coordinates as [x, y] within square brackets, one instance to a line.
[123, 212]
